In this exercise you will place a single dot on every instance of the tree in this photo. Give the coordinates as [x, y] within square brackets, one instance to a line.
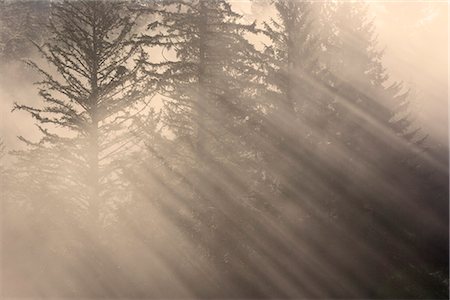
[210, 58]
[93, 90]
[342, 153]
[288, 172]
[381, 147]
[208, 82]
[90, 96]
[295, 104]
[301, 160]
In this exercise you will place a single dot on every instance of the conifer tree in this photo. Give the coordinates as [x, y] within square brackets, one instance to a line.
[359, 77]
[295, 104]
[204, 79]
[208, 85]
[91, 91]
[382, 151]
[342, 133]
[300, 133]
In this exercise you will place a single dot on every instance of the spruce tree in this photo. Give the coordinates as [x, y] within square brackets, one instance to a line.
[294, 103]
[382, 150]
[91, 90]
[208, 84]
[300, 133]
[343, 151]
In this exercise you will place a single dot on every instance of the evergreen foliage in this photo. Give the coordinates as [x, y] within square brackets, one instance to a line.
[290, 169]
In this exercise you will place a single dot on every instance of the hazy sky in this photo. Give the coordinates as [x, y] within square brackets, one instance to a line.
[415, 35]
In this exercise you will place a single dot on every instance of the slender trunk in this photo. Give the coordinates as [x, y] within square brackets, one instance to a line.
[288, 115]
[201, 93]
[94, 168]
[93, 138]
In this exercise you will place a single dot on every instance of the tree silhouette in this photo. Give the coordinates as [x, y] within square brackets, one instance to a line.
[90, 96]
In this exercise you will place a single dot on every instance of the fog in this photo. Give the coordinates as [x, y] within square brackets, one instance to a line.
[414, 36]
[224, 149]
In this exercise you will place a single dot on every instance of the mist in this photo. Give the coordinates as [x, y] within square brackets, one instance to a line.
[224, 149]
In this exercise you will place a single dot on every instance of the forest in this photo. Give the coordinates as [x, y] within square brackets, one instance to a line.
[184, 150]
